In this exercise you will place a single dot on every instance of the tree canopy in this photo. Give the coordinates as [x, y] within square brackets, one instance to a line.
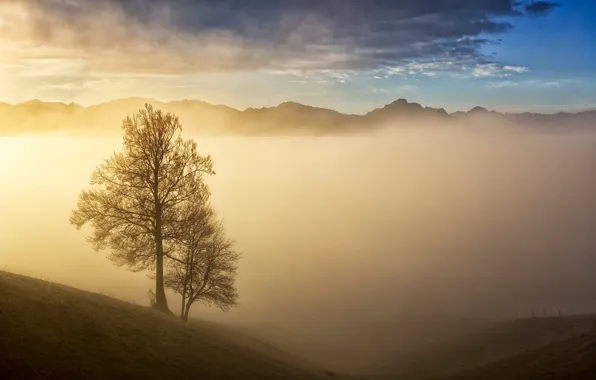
[135, 204]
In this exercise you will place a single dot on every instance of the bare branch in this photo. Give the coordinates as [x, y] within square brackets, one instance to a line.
[205, 266]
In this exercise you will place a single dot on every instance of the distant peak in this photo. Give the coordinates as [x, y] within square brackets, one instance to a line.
[478, 109]
[403, 103]
[291, 104]
[400, 101]
[34, 102]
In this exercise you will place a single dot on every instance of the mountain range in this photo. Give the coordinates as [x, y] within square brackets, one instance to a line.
[288, 118]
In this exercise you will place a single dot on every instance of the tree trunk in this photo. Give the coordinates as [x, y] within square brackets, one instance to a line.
[161, 303]
[182, 309]
[187, 310]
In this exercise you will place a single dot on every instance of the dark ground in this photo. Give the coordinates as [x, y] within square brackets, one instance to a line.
[50, 331]
[484, 345]
[571, 359]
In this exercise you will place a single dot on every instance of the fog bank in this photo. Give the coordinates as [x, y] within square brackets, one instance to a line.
[357, 231]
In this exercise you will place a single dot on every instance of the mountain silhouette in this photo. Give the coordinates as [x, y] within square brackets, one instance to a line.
[36, 116]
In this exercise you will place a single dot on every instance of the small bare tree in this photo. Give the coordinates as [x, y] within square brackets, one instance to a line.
[204, 264]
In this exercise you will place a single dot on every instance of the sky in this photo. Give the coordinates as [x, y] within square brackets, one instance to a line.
[349, 55]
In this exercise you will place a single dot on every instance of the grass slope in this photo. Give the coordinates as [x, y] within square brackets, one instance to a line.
[571, 359]
[51, 331]
[484, 345]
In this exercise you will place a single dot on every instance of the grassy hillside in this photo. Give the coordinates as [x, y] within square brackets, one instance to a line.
[487, 344]
[50, 331]
[571, 359]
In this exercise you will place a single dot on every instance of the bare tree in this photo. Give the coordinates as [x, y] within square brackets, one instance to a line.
[134, 203]
[205, 264]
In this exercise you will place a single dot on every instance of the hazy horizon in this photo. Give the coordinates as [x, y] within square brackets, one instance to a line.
[546, 110]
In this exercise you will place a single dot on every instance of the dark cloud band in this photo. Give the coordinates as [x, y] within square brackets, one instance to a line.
[540, 7]
[201, 35]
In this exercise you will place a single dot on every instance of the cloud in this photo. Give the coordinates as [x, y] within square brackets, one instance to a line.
[393, 90]
[540, 7]
[194, 36]
[526, 83]
[316, 76]
[453, 68]
[495, 70]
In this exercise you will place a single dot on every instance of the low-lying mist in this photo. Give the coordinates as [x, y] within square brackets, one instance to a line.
[347, 238]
